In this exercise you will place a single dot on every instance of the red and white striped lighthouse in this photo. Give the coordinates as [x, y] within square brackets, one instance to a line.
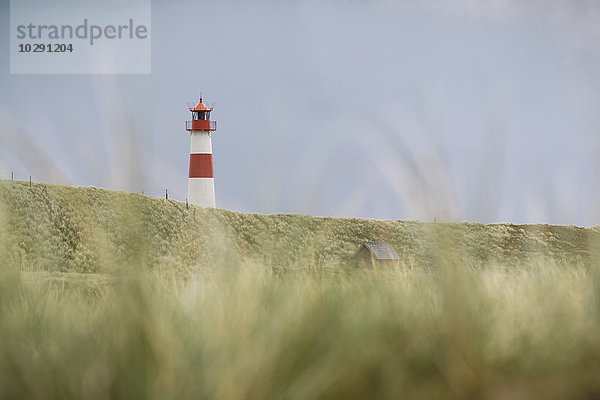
[201, 182]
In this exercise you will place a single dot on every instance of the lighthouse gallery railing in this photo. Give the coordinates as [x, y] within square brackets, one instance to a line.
[202, 125]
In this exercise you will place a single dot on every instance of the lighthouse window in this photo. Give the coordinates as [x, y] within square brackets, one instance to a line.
[201, 115]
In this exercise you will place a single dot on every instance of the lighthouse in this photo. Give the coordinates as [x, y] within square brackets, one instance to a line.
[201, 182]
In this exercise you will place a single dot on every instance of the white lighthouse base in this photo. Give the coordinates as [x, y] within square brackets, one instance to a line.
[201, 192]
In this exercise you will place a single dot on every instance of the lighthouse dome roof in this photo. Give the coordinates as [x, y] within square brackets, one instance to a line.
[201, 107]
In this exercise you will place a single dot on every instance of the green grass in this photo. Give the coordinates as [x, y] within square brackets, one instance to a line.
[110, 295]
[66, 229]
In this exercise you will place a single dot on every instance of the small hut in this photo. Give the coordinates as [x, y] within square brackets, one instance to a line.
[377, 255]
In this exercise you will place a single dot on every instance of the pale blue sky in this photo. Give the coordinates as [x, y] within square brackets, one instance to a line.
[475, 111]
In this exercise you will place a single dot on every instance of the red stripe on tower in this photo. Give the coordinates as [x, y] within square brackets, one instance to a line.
[201, 166]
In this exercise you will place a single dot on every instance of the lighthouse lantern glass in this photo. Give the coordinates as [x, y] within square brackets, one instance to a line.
[201, 115]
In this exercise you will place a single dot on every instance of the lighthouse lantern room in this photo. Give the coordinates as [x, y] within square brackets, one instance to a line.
[201, 181]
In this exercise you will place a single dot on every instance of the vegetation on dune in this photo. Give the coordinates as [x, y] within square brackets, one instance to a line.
[113, 295]
[59, 228]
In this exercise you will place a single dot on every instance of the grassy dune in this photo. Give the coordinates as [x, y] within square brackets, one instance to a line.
[112, 295]
[66, 229]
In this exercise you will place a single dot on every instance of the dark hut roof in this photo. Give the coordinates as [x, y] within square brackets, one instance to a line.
[382, 250]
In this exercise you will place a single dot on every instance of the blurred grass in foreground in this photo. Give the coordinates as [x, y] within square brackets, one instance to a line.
[107, 295]
[249, 334]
